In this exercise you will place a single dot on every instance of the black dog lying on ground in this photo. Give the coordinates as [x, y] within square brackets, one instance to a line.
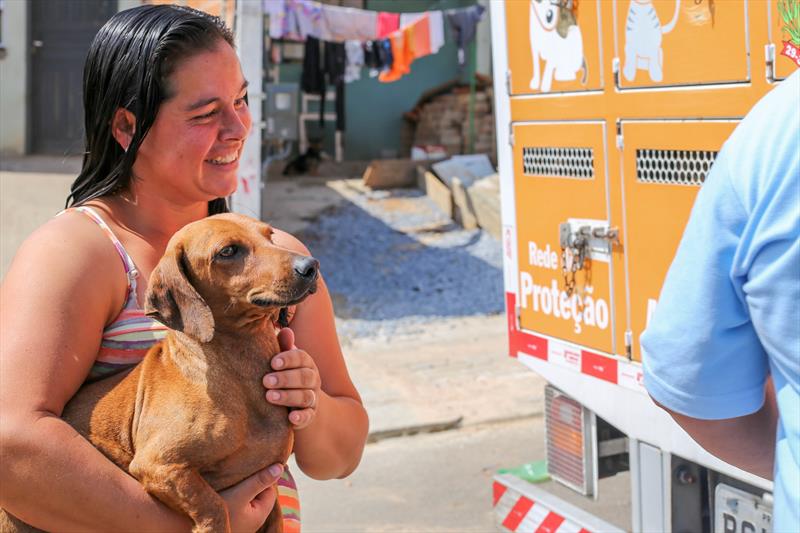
[306, 163]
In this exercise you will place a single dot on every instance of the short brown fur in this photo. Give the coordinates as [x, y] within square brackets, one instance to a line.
[191, 419]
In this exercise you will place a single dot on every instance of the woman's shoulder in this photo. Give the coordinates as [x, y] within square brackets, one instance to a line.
[71, 237]
[71, 251]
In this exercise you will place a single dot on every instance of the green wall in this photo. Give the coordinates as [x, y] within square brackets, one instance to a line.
[374, 109]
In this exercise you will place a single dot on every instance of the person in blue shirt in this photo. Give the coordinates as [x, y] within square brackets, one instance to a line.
[722, 350]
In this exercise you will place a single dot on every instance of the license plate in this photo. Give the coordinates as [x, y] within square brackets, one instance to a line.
[737, 511]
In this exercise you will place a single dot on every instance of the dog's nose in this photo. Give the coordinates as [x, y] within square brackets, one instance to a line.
[306, 267]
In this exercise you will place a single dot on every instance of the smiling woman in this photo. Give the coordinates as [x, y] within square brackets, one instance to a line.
[166, 118]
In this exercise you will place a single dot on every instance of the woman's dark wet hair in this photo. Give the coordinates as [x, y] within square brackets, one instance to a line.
[128, 65]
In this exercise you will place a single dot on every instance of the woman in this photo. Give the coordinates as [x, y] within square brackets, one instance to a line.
[166, 121]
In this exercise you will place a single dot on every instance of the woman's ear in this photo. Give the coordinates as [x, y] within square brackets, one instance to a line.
[123, 126]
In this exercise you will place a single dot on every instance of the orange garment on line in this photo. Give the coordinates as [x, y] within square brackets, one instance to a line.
[408, 44]
[421, 29]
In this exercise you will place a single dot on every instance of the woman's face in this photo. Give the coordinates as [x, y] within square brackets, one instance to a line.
[191, 152]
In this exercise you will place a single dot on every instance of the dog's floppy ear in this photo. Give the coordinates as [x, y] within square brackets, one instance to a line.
[174, 302]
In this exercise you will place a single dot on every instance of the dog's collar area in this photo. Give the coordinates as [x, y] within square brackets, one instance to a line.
[283, 317]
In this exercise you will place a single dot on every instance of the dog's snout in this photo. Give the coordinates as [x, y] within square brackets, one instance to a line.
[306, 267]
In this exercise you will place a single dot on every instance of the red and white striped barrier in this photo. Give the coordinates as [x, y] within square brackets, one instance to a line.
[521, 507]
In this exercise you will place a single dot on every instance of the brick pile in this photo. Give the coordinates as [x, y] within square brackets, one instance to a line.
[442, 119]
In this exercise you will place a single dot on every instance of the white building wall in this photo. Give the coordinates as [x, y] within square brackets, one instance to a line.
[483, 40]
[13, 72]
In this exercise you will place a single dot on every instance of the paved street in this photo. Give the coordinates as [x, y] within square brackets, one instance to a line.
[438, 482]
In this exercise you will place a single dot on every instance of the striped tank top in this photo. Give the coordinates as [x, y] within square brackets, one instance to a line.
[131, 334]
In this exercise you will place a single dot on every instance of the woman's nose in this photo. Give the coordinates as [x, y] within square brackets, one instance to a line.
[236, 123]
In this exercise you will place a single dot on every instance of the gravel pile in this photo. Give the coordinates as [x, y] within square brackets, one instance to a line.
[393, 262]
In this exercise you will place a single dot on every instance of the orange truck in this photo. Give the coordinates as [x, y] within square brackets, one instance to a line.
[609, 115]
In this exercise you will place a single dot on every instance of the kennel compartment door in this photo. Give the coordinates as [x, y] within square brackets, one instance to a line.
[560, 181]
[681, 42]
[554, 47]
[784, 36]
[663, 167]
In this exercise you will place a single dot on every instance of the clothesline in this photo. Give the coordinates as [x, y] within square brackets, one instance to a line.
[339, 41]
[295, 20]
[385, 42]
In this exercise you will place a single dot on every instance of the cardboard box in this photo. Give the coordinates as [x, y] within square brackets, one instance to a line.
[390, 173]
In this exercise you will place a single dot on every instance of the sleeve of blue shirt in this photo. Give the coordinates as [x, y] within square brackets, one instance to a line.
[728, 309]
[702, 355]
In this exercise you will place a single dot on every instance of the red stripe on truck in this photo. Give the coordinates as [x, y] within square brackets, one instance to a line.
[531, 345]
[598, 366]
[511, 301]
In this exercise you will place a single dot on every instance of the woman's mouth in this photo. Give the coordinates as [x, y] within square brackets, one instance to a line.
[224, 160]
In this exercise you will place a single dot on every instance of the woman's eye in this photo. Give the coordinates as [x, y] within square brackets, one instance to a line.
[207, 115]
[228, 251]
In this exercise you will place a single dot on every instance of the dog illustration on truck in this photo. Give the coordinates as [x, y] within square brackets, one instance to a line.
[557, 41]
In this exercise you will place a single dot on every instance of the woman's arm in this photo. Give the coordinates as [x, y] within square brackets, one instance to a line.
[331, 445]
[54, 303]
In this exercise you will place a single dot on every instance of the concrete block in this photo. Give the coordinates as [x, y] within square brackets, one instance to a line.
[390, 173]
[463, 212]
[436, 190]
[484, 196]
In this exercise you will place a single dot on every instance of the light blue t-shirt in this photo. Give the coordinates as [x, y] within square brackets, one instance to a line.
[729, 311]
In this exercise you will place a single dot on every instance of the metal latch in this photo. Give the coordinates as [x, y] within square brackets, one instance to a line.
[579, 240]
[769, 56]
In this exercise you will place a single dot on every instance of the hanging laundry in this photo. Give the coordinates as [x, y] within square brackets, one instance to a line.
[312, 79]
[372, 59]
[355, 61]
[378, 56]
[422, 31]
[402, 56]
[385, 53]
[463, 23]
[436, 21]
[346, 23]
[387, 23]
[335, 61]
[323, 66]
[301, 19]
[276, 10]
[406, 19]
[404, 48]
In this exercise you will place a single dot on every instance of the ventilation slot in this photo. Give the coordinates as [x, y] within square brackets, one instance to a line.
[677, 167]
[558, 162]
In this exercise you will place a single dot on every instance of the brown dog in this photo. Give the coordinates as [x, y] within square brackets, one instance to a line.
[191, 419]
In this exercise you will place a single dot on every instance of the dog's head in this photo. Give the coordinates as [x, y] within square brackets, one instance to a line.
[546, 11]
[225, 270]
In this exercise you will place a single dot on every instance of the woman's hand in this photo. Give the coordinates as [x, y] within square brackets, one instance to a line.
[250, 501]
[295, 382]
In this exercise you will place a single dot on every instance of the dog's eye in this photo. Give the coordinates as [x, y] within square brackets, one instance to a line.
[228, 251]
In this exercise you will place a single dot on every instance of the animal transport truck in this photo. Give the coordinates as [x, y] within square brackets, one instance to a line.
[609, 115]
